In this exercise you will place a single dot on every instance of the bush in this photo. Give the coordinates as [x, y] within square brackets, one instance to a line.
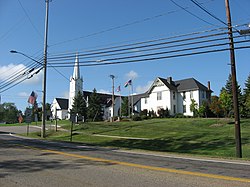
[179, 115]
[144, 112]
[136, 118]
[144, 117]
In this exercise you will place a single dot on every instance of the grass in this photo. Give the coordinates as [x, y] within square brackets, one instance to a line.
[210, 137]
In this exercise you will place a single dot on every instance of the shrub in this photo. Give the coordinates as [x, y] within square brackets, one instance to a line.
[136, 118]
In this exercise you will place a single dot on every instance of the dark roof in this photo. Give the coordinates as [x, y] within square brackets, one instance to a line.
[189, 84]
[182, 85]
[106, 99]
[137, 97]
[170, 86]
[63, 103]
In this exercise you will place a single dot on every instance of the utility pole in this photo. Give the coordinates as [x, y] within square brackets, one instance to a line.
[234, 84]
[113, 98]
[45, 70]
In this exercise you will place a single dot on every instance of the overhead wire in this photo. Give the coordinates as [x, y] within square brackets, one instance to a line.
[192, 13]
[204, 9]
[120, 26]
[27, 15]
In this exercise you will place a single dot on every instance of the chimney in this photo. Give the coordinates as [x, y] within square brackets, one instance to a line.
[169, 80]
[208, 85]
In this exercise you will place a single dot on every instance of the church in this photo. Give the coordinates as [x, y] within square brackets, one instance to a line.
[176, 96]
[61, 107]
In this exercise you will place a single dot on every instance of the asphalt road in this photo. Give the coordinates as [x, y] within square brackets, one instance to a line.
[29, 162]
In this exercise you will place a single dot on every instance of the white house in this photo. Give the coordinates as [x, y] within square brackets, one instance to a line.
[59, 108]
[175, 96]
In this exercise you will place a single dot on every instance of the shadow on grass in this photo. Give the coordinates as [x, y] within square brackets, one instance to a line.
[177, 145]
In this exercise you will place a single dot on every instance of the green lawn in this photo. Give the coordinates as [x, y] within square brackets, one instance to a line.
[213, 137]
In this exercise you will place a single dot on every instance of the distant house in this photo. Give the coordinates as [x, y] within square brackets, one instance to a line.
[59, 108]
[175, 96]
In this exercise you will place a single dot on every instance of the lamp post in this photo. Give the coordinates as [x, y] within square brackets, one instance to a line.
[44, 68]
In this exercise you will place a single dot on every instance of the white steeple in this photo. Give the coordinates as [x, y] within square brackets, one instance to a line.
[76, 83]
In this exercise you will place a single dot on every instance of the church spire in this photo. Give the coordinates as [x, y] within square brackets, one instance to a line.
[76, 73]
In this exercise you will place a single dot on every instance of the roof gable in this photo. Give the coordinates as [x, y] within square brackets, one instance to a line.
[63, 103]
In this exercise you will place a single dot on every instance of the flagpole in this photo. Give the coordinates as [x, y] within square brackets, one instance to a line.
[120, 103]
[132, 102]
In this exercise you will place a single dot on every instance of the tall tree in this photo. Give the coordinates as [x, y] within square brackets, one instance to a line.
[125, 107]
[79, 106]
[227, 97]
[94, 110]
[246, 98]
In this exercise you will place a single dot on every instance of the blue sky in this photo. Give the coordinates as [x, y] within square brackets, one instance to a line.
[22, 29]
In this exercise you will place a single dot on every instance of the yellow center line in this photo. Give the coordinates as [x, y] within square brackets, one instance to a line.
[198, 174]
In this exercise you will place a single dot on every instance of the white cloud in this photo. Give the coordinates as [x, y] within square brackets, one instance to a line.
[131, 75]
[103, 91]
[11, 70]
[142, 89]
[23, 94]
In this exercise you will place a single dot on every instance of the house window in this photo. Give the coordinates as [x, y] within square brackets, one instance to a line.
[173, 95]
[191, 95]
[159, 94]
[184, 95]
[184, 109]
[174, 109]
[146, 101]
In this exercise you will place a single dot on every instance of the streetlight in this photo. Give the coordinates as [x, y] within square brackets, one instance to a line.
[43, 103]
[18, 52]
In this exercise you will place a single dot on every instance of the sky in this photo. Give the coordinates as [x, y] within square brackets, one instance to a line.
[76, 26]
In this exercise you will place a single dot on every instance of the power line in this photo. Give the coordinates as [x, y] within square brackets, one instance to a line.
[202, 8]
[27, 15]
[162, 57]
[192, 13]
[119, 26]
[134, 44]
[128, 50]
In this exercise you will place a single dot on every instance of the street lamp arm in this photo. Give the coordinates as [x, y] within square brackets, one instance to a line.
[13, 51]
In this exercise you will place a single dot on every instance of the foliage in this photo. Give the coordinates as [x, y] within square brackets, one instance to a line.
[144, 112]
[94, 110]
[194, 107]
[125, 107]
[226, 97]
[163, 113]
[136, 118]
[79, 106]
[152, 114]
[246, 98]
[8, 113]
[215, 106]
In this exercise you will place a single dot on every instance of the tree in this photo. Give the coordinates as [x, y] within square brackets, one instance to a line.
[215, 106]
[246, 98]
[94, 110]
[125, 107]
[226, 97]
[193, 107]
[8, 113]
[79, 106]
[202, 110]
[226, 102]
